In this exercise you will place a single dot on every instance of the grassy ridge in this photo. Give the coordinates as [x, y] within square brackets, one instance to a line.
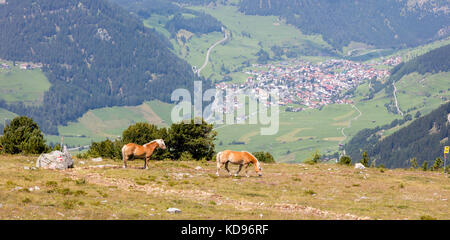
[285, 191]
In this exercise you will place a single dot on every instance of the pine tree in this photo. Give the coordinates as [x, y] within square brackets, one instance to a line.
[365, 160]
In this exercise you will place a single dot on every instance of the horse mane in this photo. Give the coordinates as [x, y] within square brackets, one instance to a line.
[257, 161]
[156, 140]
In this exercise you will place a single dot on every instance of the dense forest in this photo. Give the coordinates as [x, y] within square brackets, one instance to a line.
[434, 61]
[94, 53]
[382, 23]
[198, 22]
[423, 139]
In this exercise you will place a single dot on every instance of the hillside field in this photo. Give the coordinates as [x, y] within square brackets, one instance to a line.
[285, 191]
[26, 86]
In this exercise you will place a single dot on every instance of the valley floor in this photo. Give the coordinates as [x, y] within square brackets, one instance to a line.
[285, 191]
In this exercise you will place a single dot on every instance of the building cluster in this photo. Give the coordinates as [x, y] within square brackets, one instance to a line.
[307, 84]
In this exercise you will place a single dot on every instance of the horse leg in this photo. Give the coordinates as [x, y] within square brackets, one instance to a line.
[246, 170]
[226, 167]
[125, 158]
[219, 165]
[240, 167]
[146, 162]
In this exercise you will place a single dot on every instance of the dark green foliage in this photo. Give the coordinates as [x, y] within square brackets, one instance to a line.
[141, 133]
[197, 139]
[365, 159]
[95, 54]
[382, 23]
[106, 149]
[438, 163]
[23, 135]
[415, 140]
[434, 61]
[200, 24]
[413, 162]
[425, 166]
[315, 158]
[264, 157]
[183, 141]
[345, 160]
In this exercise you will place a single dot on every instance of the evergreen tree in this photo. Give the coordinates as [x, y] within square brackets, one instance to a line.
[345, 160]
[23, 135]
[365, 160]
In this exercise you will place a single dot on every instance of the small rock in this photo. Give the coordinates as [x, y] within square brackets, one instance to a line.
[26, 168]
[104, 201]
[82, 162]
[198, 168]
[18, 188]
[359, 166]
[31, 189]
[1, 205]
[37, 188]
[261, 215]
[61, 214]
[173, 210]
[99, 159]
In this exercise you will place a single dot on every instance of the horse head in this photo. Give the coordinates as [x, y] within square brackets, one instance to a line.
[258, 166]
[161, 144]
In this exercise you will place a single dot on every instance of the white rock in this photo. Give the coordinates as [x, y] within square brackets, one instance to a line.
[26, 168]
[1, 205]
[359, 166]
[18, 188]
[198, 168]
[99, 159]
[173, 210]
[37, 188]
[82, 162]
[31, 189]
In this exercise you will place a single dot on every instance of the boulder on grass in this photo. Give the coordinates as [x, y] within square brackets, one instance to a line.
[55, 160]
[359, 166]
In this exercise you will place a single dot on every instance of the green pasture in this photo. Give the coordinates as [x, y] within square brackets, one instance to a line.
[27, 86]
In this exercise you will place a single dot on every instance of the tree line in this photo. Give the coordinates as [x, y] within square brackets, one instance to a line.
[186, 140]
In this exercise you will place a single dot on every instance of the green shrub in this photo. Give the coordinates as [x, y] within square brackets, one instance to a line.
[315, 158]
[345, 160]
[365, 160]
[264, 157]
[23, 135]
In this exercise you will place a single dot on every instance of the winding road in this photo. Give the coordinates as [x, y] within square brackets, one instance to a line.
[396, 101]
[210, 49]
[350, 124]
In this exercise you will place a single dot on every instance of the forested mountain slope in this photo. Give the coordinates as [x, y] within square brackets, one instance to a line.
[94, 53]
[423, 139]
[382, 23]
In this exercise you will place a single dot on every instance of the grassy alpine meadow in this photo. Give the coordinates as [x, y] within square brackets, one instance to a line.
[285, 191]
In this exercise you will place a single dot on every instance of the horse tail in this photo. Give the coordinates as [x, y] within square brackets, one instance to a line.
[218, 156]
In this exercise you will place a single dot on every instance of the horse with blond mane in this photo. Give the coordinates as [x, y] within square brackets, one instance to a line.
[239, 158]
[133, 151]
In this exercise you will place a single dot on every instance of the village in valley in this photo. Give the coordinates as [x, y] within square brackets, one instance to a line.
[309, 85]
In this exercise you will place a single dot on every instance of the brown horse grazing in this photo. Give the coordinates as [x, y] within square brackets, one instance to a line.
[241, 158]
[133, 151]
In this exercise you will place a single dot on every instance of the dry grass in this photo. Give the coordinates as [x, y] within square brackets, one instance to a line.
[286, 191]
